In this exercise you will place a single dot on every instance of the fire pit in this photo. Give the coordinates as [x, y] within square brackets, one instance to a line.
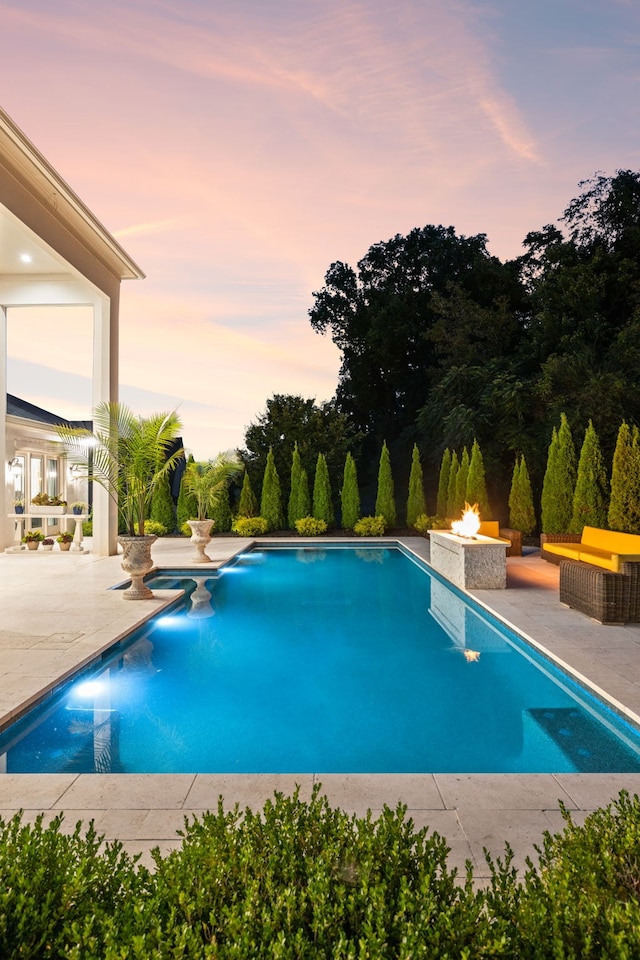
[467, 558]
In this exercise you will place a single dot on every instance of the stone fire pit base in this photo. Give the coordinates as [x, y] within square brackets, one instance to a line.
[473, 564]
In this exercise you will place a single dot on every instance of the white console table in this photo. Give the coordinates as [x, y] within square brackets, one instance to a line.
[64, 518]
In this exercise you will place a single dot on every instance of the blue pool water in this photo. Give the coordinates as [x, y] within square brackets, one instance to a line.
[324, 660]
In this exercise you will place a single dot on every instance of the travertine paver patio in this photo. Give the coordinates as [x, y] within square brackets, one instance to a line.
[56, 611]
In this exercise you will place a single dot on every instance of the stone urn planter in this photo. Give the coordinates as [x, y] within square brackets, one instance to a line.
[200, 537]
[137, 563]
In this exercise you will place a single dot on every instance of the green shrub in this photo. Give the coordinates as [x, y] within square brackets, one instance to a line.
[522, 514]
[370, 527]
[350, 494]
[271, 500]
[299, 505]
[322, 500]
[87, 528]
[385, 499]
[248, 505]
[250, 526]
[415, 500]
[476, 483]
[300, 879]
[583, 899]
[443, 483]
[451, 487]
[424, 523]
[220, 511]
[559, 482]
[624, 506]
[310, 527]
[590, 498]
[152, 528]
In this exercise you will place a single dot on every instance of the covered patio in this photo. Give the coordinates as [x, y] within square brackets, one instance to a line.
[54, 252]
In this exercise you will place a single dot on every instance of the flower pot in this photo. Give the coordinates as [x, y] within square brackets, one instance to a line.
[77, 511]
[44, 511]
[200, 537]
[65, 547]
[137, 563]
[33, 544]
[47, 546]
[18, 509]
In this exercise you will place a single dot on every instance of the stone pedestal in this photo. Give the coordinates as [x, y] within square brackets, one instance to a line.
[479, 563]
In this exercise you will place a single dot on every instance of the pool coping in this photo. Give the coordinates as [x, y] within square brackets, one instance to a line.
[471, 810]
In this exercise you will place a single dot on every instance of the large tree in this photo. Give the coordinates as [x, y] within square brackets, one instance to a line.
[315, 428]
[382, 317]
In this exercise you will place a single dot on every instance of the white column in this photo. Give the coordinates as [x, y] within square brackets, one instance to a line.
[105, 390]
[6, 505]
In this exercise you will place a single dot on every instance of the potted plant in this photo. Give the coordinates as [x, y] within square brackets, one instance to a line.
[79, 507]
[65, 540]
[127, 455]
[49, 505]
[33, 538]
[47, 543]
[205, 482]
[18, 505]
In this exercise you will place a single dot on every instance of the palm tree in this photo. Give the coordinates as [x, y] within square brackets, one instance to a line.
[206, 482]
[127, 455]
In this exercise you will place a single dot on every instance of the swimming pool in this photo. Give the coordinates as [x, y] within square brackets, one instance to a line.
[322, 660]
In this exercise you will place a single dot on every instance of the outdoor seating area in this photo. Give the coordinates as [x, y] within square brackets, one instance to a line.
[599, 573]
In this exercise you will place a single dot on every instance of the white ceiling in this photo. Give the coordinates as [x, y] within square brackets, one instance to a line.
[17, 240]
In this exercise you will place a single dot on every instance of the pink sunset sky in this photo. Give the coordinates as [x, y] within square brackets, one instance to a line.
[236, 148]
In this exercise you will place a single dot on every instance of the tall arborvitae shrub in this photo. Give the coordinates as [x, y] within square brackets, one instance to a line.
[294, 495]
[590, 500]
[624, 506]
[443, 484]
[416, 505]
[304, 500]
[559, 482]
[385, 499]
[248, 505]
[476, 483]
[461, 483]
[522, 514]
[450, 512]
[271, 499]
[322, 500]
[220, 512]
[350, 495]
[187, 508]
[162, 507]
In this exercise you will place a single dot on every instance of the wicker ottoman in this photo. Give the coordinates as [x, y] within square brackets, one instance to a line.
[601, 594]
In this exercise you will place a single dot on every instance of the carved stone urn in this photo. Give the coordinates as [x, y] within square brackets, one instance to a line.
[200, 537]
[137, 563]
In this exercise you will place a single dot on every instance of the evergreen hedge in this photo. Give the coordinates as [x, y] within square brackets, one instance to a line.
[461, 485]
[300, 879]
[454, 466]
[522, 515]
[476, 483]
[590, 498]
[443, 484]
[248, 505]
[322, 500]
[624, 506]
[295, 512]
[271, 499]
[163, 510]
[186, 508]
[385, 498]
[558, 487]
[416, 505]
[350, 495]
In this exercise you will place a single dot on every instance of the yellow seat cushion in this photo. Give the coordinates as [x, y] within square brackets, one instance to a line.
[570, 550]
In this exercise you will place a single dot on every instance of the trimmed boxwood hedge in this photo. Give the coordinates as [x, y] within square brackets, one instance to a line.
[301, 879]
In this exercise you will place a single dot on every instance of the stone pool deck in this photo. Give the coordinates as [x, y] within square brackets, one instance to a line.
[56, 612]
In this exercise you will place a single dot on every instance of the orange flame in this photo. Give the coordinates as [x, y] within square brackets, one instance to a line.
[470, 523]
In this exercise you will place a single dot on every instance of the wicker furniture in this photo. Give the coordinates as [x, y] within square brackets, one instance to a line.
[556, 538]
[603, 548]
[603, 595]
